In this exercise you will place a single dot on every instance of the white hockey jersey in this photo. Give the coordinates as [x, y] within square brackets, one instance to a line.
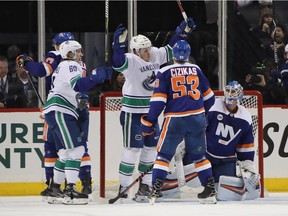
[139, 78]
[62, 96]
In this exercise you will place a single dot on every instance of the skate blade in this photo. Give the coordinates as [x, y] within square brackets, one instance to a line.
[208, 200]
[141, 199]
[54, 200]
[69, 201]
[45, 199]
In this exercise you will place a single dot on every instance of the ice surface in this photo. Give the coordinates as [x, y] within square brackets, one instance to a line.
[275, 204]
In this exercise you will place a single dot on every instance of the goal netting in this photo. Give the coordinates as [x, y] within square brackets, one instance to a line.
[111, 137]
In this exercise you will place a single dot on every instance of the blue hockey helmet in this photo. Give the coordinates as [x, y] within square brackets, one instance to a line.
[233, 91]
[61, 37]
[181, 51]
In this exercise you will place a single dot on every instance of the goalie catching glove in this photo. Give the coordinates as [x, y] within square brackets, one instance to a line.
[120, 37]
[249, 174]
[186, 27]
[147, 127]
[21, 60]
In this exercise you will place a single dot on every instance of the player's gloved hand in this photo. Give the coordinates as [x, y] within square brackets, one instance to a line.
[249, 174]
[186, 27]
[21, 60]
[284, 78]
[83, 100]
[100, 74]
[147, 127]
[120, 37]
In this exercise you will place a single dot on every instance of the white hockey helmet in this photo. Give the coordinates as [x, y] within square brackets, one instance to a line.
[233, 91]
[69, 46]
[140, 42]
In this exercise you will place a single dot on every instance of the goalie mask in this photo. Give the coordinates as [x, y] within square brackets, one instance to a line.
[69, 46]
[140, 42]
[62, 37]
[233, 91]
[181, 51]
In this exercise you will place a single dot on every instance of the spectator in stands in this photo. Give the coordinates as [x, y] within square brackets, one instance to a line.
[260, 79]
[118, 80]
[30, 96]
[11, 89]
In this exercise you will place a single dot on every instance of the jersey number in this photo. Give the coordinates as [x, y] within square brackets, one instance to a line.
[183, 86]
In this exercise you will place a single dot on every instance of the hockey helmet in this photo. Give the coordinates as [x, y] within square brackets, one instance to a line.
[181, 51]
[140, 42]
[61, 37]
[69, 46]
[233, 91]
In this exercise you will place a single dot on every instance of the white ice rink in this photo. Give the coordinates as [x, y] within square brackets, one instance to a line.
[275, 204]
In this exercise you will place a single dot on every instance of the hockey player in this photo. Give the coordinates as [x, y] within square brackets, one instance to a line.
[61, 115]
[45, 69]
[140, 68]
[184, 93]
[229, 141]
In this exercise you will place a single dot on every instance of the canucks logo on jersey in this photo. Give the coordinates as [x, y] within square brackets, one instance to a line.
[148, 83]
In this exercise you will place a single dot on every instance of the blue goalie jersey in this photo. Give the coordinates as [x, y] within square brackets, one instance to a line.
[228, 133]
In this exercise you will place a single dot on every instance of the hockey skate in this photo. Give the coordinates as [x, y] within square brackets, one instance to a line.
[86, 185]
[208, 195]
[55, 195]
[142, 194]
[74, 197]
[156, 191]
[121, 188]
[45, 193]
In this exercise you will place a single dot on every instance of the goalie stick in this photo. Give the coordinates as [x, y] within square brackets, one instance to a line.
[180, 151]
[182, 10]
[113, 200]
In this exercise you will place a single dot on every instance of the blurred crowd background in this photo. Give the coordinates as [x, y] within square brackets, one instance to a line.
[255, 46]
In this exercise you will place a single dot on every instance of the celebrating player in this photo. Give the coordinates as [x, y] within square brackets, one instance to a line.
[45, 69]
[229, 141]
[184, 93]
[61, 115]
[140, 68]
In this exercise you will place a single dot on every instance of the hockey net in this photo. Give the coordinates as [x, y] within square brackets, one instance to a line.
[111, 137]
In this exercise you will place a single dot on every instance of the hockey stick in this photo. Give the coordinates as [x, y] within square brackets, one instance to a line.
[113, 200]
[182, 10]
[34, 88]
[106, 31]
[179, 164]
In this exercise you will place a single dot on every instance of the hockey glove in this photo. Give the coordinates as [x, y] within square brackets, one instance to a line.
[249, 174]
[147, 127]
[186, 27]
[120, 37]
[100, 74]
[21, 60]
[83, 100]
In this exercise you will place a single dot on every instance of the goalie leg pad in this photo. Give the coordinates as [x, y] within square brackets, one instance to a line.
[231, 189]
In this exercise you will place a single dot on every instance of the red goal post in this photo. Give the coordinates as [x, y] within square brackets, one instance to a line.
[111, 106]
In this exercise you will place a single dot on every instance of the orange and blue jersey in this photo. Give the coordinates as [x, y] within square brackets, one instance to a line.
[182, 89]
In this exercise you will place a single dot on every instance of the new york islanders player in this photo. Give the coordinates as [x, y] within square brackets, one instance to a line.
[140, 68]
[229, 141]
[184, 93]
[61, 115]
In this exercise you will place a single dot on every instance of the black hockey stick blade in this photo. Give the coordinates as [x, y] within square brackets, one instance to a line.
[113, 200]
